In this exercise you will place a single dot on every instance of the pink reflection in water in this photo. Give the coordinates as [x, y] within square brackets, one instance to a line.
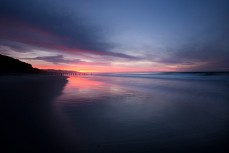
[81, 89]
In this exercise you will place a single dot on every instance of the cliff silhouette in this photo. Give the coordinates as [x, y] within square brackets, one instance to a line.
[11, 65]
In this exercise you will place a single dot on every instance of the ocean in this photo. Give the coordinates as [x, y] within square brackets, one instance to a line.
[126, 113]
[147, 112]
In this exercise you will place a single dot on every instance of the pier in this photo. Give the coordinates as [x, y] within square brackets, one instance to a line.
[69, 73]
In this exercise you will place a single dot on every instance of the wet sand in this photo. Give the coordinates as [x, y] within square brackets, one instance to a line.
[27, 121]
[141, 115]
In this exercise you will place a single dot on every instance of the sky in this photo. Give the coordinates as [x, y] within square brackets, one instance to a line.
[117, 35]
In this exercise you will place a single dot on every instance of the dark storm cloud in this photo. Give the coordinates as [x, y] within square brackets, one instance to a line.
[49, 25]
[56, 59]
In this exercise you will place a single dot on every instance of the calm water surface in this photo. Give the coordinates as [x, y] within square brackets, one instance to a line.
[137, 114]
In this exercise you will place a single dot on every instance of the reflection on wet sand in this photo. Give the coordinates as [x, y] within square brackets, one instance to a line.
[111, 114]
[85, 89]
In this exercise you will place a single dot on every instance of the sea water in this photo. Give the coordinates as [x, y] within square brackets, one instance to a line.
[146, 112]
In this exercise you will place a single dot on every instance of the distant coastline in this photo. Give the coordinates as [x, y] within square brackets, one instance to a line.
[9, 65]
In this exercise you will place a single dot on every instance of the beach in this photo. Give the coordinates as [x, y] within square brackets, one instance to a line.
[116, 113]
[27, 121]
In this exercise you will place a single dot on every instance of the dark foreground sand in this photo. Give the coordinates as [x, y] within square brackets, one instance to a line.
[27, 122]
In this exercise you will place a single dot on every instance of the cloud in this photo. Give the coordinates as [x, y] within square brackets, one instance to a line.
[45, 25]
[16, 46]
[208, 50]
[52, 26]
[57, 59]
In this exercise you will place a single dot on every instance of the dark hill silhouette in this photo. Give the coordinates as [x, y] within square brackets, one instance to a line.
[11, 65]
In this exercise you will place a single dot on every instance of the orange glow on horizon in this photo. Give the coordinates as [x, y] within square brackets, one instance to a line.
[105, 69]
